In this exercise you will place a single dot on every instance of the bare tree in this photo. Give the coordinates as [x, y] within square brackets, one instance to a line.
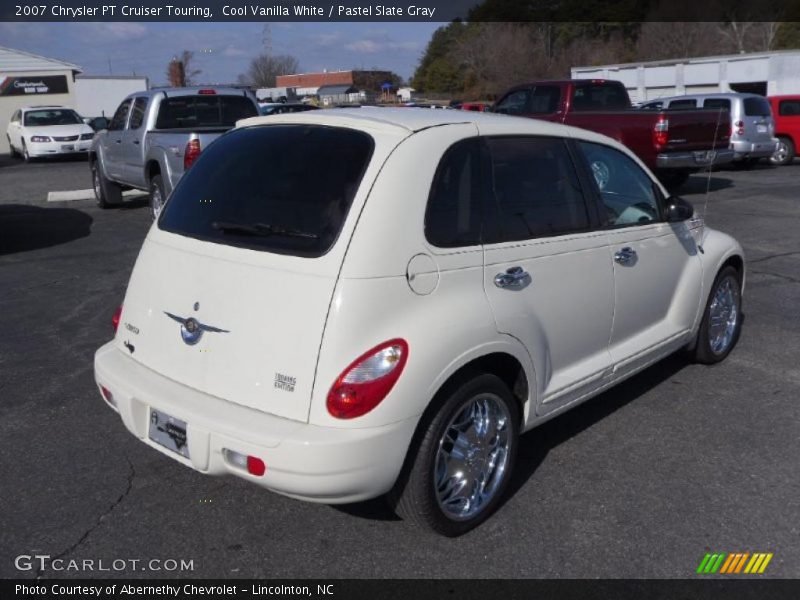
[679, 39]
[180, 72]
[737, 33]
[764, 35]
[264, 68]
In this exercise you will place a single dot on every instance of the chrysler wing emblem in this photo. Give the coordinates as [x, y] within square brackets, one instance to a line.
[192, 329]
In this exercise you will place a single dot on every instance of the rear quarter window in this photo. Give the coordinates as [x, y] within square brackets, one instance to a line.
[722, 103]
[757, 107]
[284, 189]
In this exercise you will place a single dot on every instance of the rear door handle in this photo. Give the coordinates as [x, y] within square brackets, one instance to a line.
[136, 142]
[513, 277]
[625, 256]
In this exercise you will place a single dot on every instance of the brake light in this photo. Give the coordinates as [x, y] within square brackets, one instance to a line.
[739, 127]
[661, 131]
[207, 92]
[115, 318]
[190, 153]
[368, 380]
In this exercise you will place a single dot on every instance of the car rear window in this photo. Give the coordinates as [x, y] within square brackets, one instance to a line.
[182, 112]
[284, 189]
[756, 107]
[600, 96]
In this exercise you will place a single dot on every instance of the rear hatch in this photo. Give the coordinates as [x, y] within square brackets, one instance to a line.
[231, 290]
[758, 124]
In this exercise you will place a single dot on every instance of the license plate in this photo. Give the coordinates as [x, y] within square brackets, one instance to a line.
[761, 128]
[704, 156]
[68, 147]
[168, 432]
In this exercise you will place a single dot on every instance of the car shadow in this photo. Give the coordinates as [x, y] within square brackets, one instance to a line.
[535, 445]
[24, 228]
[700, 182]
[6, 160]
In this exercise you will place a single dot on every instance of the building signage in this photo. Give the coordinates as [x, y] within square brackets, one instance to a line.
[33, 86]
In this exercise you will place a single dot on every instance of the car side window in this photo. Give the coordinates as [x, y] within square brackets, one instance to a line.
[453, 214]
[629, 195]
[789, 108]
[137, 113]
[515, 103]
[535, 188]
[683, 104]
[118, 120]
[16, 117]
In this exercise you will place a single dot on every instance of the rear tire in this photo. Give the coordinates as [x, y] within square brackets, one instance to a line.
[784, 154]
[457, 473]
[722, 319]
[107, 193]
[158, 196]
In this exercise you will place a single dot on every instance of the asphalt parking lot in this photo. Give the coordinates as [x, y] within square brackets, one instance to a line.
[639, 482]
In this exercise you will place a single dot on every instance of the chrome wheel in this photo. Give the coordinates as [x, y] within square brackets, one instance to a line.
[781, 153]
[601, 172]
[156, 201]
[723, 315]
[472, 457]
[98, 192]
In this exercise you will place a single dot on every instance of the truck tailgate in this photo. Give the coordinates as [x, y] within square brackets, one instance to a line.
[697, 129]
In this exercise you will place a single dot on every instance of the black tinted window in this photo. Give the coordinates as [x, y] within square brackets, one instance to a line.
[544, 100]
[535, 188]
[137, 113]
[600, 96]
[207, 110]
[722, 103]
[118, 121]
[283, 188]
[682, 104]
[789, 108]
[453, 215]
[757, 107]
[515, 103]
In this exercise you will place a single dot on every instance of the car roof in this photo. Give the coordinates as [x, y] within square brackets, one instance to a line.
[704, 96]
[43, 107]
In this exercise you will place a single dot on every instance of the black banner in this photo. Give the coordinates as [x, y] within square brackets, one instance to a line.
[597, 11]
[33, 86]
[393, 589]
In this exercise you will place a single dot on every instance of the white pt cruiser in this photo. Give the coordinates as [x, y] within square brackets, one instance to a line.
[342, 304]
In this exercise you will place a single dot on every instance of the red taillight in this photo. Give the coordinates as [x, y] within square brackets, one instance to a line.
[256, 466]
[368, 380]
[739, 127]
[661, 132]
[207, 92]
[190, 153]
[115, 318]
[109, 397]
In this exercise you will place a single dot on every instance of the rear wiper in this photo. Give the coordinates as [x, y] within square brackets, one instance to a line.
[261, 229]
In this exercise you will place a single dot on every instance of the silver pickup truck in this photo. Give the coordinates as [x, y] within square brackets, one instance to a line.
[154, 136]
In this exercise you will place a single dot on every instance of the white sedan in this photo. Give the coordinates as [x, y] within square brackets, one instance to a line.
[40, 131]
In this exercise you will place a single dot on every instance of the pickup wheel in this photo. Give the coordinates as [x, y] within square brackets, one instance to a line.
[157, 196]
[784, 153]
[107, 193]
[722, 319]
[456, 478]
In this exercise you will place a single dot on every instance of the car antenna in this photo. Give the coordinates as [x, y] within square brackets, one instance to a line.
[710, 166]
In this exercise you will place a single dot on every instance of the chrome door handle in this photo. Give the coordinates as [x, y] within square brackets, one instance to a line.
[625, 256]
[513, 277]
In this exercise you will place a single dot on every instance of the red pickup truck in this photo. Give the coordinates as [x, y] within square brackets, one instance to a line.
[673, 143]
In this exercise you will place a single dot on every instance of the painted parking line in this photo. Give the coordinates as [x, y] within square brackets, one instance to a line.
[69, 195]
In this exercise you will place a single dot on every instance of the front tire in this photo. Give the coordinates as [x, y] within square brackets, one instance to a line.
[784, 154]
[12, 152]
[463, 462]
[157, 196]
[722, 319]
[106, 192]
[25, 154]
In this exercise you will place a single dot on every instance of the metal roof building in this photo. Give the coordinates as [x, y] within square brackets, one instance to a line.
[766, 73]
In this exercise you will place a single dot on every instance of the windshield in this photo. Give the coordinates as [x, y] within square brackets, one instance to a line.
[52, 116]
[281, 188]
[207, 110]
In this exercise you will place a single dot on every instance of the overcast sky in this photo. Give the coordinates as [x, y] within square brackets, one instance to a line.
[222, 50]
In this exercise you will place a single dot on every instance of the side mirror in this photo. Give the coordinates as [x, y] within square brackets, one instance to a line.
[98, 123]
[678, 210]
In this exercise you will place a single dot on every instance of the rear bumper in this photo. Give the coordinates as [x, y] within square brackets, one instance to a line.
[745, 149]
[694, 160]
[320, 464]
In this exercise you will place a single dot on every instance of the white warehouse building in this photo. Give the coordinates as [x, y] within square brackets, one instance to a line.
[765, 73]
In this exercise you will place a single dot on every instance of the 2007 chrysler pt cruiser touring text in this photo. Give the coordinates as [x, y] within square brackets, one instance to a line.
[342, 304]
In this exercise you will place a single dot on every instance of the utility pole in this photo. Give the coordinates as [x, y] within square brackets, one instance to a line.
[266, 38]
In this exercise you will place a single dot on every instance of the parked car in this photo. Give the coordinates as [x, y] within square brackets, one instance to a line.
[336, 307]
[284, 107]
[673, 144]
[45, 131]
[155, 136]
[475, 106]
[751, 125]
[786, 113]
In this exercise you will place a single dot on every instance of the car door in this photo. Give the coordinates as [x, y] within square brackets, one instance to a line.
[111, 143]
[132, 140]
[657, 270]
[548, 273]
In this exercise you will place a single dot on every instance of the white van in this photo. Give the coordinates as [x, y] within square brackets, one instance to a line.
[750, 120]
[338, 305]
